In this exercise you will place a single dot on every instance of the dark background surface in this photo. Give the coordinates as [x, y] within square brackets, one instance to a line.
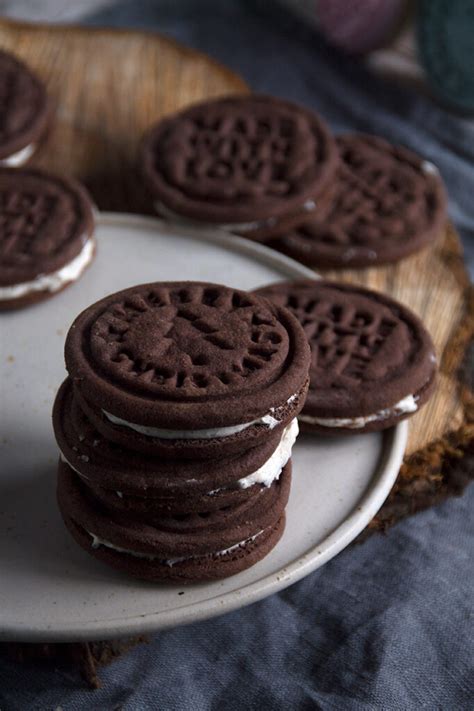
[388, 624]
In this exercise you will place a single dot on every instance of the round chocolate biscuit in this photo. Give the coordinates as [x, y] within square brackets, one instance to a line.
[372, 360]
[202, 448]
[162, 555]
[46, 228]
[386, 203]
[238, 159]
[145, 481]
[171, 366]
[24, 110]
[148, 507]
[194, 570]
[203, 516]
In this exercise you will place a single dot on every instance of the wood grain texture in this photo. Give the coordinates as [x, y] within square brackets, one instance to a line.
[108, 86]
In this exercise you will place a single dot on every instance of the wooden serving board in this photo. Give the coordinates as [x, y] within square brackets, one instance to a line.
[108, 86]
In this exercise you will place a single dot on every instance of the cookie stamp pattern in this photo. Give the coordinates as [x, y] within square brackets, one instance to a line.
[372, 361]
[220, 358]
[46, 227]
[237, 160]
[386, 204]
[183, 341]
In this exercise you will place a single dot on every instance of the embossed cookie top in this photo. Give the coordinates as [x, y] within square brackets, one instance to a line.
[198, 347]
[23, 106]
[386, 203]
[238, 159]
[44, 221]
[367, 350]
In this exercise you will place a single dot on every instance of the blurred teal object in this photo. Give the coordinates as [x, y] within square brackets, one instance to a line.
[446, 46]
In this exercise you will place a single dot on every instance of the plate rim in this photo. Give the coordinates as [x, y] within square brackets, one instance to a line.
[208, 233]
[393, 449]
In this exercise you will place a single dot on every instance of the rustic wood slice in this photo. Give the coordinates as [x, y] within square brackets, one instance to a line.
[110, 85]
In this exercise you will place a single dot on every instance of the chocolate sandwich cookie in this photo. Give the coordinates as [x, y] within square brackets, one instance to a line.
[185, 552]
[187, 369]
[147, 507]
[46, 235]
[384, 204]
[203, 514]
[127, 480]
[241, 162]
[372, 361]
[24, 111]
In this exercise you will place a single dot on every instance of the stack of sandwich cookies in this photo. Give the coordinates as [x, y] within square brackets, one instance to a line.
[372, 361]
[384, 204]
[175, 461]
[244, 163]
[24, 111]
[46, 235]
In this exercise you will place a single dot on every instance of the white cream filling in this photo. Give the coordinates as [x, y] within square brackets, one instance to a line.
[273, 467]
[97, 541]
[19, 157]
[308, 206]
[407, 404]
[54, 281]
[268, 420]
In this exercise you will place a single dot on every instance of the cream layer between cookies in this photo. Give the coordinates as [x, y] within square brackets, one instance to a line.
[20, 157]
[407, 404]
[273, 467]
[55, 280]
[307, 207]
[212, 433]
[97, 542]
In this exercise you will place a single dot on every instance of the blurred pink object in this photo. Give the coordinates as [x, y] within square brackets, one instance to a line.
[359, 26]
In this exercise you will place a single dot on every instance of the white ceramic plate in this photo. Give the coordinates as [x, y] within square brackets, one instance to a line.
[50, 590]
